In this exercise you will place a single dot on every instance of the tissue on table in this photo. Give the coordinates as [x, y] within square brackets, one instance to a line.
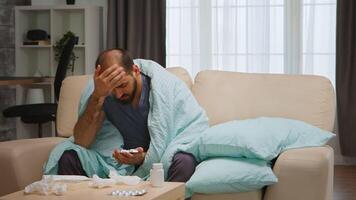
[113, 179]
[46, 186]
[67, 178]
[128, 180]
[98, 182]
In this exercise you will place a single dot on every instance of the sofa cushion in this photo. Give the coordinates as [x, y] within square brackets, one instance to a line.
[262, 138]
[254, 195]
[228, 96]
[226, 175]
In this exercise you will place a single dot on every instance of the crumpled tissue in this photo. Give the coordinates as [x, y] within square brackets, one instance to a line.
[113, 179]
[128, 180]
[67, 178]
[46, 186]
[98, 182]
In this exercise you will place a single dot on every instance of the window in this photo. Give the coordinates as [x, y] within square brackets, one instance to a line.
[319, 37]
[268, 36]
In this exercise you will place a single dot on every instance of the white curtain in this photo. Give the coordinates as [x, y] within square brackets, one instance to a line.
[268, 36]
[319, 34]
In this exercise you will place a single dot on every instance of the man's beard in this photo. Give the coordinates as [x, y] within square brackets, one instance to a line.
[132, 95]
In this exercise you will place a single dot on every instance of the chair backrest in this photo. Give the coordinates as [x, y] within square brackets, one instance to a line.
[63, 65]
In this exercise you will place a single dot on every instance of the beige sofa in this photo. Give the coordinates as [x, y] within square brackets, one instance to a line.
[303, 173]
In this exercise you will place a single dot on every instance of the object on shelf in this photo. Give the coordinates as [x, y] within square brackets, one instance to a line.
[35, 96]
[38, 73]
[70, 2]
[37, 34]
[37, 42]
[58, 48]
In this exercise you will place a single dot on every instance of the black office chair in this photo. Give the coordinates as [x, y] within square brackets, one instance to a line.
[45, 112]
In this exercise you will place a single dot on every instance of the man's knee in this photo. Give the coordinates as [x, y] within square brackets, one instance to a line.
[182, 168]
[69, 164]
[67, 158]
[185, 160]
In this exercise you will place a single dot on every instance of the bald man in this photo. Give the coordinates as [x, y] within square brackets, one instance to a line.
[121, 94]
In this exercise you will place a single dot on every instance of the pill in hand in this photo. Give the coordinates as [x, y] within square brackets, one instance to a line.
[129, 151]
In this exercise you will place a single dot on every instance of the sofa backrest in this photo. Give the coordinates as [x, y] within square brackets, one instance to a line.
[68, 104]
[72, 86]
[232, 95]
[182, 74]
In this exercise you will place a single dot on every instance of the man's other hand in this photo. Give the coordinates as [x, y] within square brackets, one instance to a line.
[130, 158]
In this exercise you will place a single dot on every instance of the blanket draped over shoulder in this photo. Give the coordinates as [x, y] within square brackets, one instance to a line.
[175, 121]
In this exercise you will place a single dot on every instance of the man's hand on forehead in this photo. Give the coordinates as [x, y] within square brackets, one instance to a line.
[110, 68]
[115, 74]
[106, 79]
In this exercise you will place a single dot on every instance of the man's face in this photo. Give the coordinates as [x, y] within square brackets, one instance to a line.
[125, 92]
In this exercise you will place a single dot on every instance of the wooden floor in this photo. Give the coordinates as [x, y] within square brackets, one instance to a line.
[345, 183]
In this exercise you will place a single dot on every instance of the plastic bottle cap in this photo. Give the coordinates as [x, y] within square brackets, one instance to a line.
[157, 166]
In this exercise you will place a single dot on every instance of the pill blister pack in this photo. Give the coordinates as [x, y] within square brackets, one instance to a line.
[129, 151]
[127, 193]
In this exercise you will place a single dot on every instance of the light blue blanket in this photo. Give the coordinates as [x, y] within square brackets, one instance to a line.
[175, 121]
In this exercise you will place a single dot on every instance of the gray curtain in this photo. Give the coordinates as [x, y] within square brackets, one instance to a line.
[138, 26]
[346, 75]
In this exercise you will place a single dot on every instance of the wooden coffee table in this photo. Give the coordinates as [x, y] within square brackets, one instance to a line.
[169, 191]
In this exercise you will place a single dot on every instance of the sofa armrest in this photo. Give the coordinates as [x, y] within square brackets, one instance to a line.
[22, 162]
[305, 173]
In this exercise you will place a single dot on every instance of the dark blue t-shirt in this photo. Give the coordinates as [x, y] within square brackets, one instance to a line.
[130, 121]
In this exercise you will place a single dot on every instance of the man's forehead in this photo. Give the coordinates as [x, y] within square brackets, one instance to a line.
[111, 58]
[113, 53]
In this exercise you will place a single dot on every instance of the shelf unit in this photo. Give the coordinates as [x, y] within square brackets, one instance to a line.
[84, 21]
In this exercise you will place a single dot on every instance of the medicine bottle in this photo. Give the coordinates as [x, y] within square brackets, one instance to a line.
[157, 175]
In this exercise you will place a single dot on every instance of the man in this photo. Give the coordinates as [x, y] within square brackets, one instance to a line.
[122, 95]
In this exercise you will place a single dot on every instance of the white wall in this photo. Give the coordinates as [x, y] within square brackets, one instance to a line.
[102, 3]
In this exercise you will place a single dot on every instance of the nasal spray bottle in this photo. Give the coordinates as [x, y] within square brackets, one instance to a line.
[157, 175]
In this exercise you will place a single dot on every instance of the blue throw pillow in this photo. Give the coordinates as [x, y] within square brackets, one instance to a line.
[262, 138]
[227, 175]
